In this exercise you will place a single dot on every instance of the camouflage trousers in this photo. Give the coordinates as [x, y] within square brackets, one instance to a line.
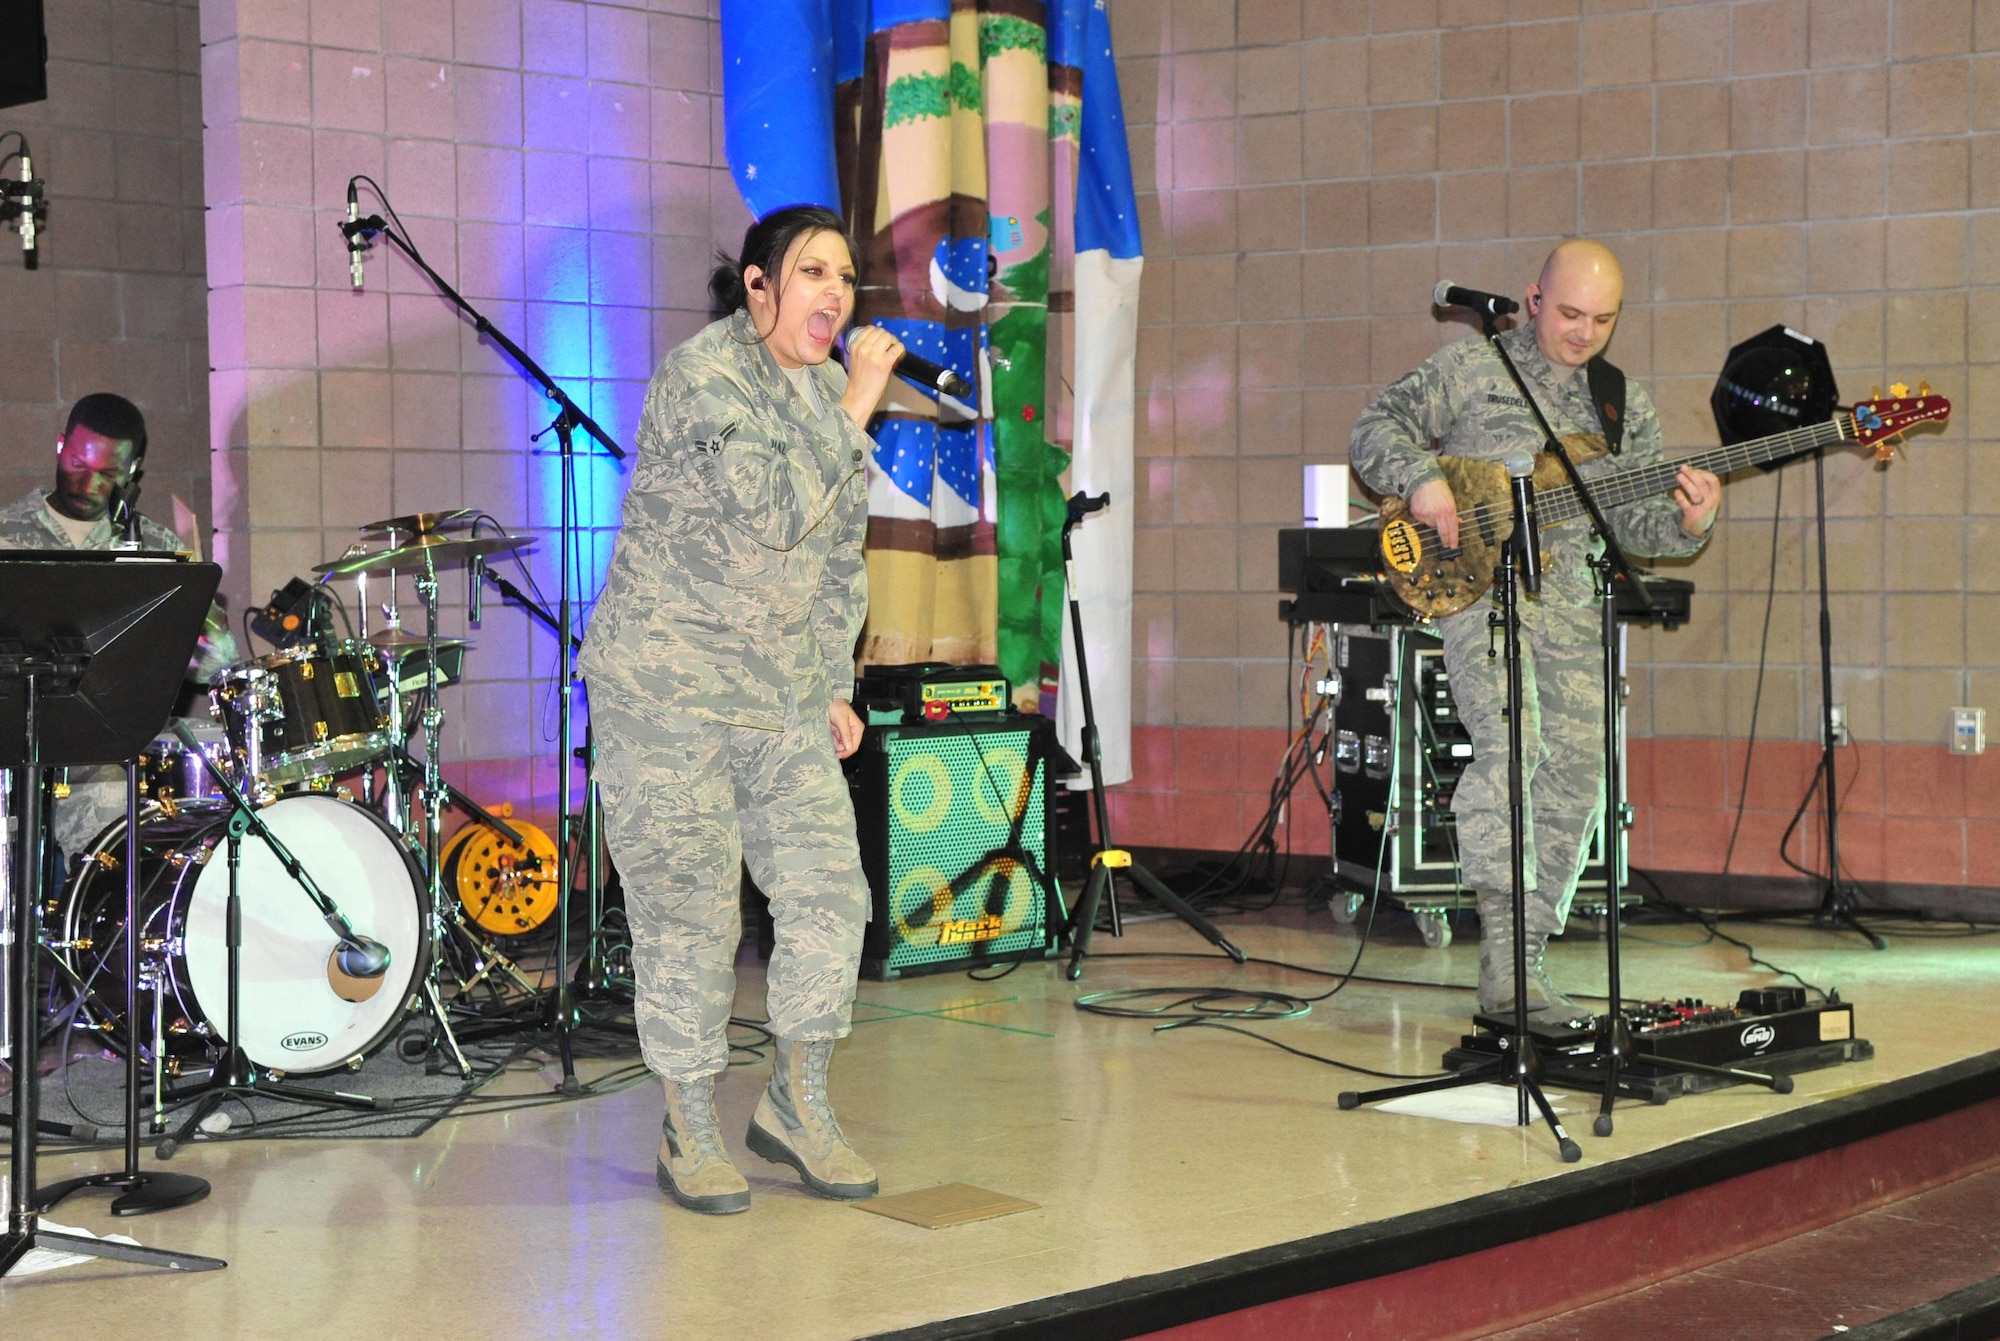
[687, 804]
[1562, 729]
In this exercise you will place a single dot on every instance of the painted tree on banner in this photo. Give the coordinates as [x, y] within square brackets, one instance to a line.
[948, 132]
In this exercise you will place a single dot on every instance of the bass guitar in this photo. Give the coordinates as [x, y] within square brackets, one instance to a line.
[1435, 581]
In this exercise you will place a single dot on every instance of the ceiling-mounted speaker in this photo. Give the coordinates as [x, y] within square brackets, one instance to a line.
[24, 53]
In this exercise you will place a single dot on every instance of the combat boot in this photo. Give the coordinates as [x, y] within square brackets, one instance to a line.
[1543, 995]
[1496, 963]
[794, 1125]
[694, 1169]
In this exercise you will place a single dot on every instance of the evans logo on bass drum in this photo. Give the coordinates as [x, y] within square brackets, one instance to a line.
[1758, 1037]
[305, 1042]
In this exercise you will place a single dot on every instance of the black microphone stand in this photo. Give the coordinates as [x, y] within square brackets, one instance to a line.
[1615, 1049]
[1108, 859]
[1519, 1062]
[569, 418]
[593, 973]
[238, 1075]
[1838, 898]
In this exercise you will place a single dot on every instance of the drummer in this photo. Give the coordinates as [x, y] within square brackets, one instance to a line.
[100, 457]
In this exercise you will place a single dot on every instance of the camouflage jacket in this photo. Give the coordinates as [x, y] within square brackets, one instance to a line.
[28, 525]
[737, 586]
[1462, 399]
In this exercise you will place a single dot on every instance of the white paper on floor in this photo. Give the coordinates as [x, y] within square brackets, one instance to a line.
[48, 1259]
[1487, 1105]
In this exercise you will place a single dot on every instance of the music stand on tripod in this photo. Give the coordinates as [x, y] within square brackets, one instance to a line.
[92, 649]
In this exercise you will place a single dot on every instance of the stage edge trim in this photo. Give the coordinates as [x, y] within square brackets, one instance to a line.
[1145, 1304]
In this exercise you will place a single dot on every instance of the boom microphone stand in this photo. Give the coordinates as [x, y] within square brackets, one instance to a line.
[569, 418]
[238, 1075]
[1615, 1050]
[1108, 859]
[1520, 1062]
[593, 976]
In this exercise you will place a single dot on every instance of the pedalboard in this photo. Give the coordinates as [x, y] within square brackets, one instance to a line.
[1772, 1030]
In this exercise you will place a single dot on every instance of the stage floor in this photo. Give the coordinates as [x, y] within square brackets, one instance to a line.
[1144, 1152]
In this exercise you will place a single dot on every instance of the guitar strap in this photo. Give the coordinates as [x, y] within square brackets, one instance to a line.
[1606, 383]
[1607, 397]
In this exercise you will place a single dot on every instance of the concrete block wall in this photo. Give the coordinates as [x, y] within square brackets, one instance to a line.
[1310, 168]
[118, 302]
[558, 163]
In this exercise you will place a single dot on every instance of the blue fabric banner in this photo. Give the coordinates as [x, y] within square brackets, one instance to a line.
[1107, 209]
[777, 102]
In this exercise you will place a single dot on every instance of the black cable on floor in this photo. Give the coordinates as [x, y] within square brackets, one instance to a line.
[1309, 1056]
[1710, 921]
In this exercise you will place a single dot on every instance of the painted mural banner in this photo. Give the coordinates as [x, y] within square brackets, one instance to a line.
[953, 135]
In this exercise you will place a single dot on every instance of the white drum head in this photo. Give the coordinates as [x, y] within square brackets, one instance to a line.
[297, 1013]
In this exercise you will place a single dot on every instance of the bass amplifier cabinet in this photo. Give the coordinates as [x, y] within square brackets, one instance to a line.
[1413, 739]
[958, 839]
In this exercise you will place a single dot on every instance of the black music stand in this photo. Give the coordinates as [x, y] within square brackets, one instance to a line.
[92, 649]
[139, 1192]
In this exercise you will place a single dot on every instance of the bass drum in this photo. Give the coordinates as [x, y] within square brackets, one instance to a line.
[300, 1014]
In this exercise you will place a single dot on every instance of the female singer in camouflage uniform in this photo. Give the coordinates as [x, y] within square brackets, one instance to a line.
[720, 663]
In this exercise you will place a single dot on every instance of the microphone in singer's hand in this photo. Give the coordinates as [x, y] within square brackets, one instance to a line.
[1448, 294]
[933, 377]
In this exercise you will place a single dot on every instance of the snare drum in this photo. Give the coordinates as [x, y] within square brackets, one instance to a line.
[307, 712]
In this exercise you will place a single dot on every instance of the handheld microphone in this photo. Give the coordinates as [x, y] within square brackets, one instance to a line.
[1448, 294]
[1527, 542]
[932, 377]
[354, 244]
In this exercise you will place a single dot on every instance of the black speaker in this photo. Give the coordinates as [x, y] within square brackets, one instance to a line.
[957, 837]
[24, 53]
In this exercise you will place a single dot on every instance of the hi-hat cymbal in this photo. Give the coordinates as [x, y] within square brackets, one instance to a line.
[402, 642]
[440, 550]
[422, 523]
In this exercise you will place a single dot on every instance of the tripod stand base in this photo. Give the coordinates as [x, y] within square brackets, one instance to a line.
[13, 1247]
[1101, 888]
[1517, 1072]
[139, 1193]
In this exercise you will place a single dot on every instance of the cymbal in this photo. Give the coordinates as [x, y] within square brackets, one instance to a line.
[421, 523]
[441, 550]
[402, 642]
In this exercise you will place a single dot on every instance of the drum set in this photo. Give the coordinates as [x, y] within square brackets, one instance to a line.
[317, 736]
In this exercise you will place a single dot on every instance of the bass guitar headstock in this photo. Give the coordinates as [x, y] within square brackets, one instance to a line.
[1881, 421]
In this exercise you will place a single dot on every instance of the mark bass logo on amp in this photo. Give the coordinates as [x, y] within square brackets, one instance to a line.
[966, 930]
[1758, 1037]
